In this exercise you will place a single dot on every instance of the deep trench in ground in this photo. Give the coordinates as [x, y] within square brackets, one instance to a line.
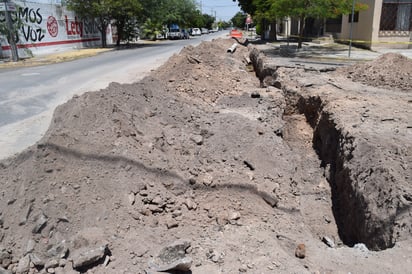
[334, 149]
[325, 141]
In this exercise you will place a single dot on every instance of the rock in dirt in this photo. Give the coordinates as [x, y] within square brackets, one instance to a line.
[24, 265]
[172, 223]
[4, 254]
[190, 204]
[328, 241]
[215, 256]
[51, 264]
[40, 223]
[300, 251]
[361, 247]
[234, 216]
[85, 256]
[197, 139]
[59, 250]
[172, 258]
[36, 260]
[30, 246]
[270, 199]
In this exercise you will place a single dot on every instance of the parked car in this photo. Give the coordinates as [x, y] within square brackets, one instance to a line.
[185, 34]
[174, 34]
[196, 32]
[205, 31]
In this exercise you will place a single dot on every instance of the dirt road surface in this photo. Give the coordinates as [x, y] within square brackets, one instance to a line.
[214, 164]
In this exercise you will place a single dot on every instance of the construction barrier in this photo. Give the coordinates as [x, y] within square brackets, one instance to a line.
[236, 34]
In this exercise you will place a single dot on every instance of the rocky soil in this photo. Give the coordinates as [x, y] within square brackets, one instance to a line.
[202, 167]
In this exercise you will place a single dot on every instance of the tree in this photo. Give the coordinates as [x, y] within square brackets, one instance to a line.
[124, 12]
[10, 29]
[158, 14]
[239, 20]
[98, 10]
[196, 19]
[299, 9]
[208, 21]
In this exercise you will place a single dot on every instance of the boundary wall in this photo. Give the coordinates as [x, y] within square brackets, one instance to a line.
[48, 28]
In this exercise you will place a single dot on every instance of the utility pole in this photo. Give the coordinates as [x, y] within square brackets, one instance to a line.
[12, 42]
[351, 28]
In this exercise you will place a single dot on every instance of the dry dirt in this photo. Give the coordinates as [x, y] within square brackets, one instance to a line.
[54, 58]
[299, 172]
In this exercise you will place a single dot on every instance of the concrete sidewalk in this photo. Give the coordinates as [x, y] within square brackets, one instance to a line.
[320, 57]
[332, 51]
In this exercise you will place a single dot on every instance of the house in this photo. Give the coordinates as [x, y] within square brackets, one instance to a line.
[386, 23]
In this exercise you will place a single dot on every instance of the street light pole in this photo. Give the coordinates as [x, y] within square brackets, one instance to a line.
[12, 42]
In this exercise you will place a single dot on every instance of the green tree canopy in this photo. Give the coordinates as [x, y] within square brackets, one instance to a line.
[299, 9]
[239, 19]
[122, 12]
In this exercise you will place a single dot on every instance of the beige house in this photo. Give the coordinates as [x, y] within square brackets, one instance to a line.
[386, 23]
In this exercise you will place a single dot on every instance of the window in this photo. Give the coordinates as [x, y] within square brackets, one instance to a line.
[355, 17]
[396, 15]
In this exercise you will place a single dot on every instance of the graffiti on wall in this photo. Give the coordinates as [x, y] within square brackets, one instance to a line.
[80, 28]
[32, 19]
[45, 26]
[31, 30]
[36, 25]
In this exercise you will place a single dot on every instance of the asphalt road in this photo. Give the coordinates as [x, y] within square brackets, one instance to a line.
[28, 96]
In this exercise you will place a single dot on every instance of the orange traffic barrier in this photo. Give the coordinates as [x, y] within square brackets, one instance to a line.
[236, 34]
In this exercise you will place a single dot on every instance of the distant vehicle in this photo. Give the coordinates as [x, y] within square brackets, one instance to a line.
[185, 34]
[196, 32]
[174, 32]
[216, 29]
[205, 31]
[161, 36]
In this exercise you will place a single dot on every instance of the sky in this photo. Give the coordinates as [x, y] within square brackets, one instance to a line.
[225, 9]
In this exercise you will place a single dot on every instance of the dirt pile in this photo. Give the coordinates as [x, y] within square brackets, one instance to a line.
[391, 70]
[203, 72]
[198, 167]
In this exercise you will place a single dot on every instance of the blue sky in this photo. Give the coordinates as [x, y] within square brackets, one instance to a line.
[225, 9]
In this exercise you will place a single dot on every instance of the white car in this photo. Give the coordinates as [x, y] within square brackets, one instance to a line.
[196, 32]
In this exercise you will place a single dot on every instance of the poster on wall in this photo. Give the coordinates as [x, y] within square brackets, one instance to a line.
[47, 28]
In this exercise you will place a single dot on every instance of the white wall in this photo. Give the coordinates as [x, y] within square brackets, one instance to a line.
[49, 27]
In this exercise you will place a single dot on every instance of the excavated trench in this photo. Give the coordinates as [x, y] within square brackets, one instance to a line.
[351, 209]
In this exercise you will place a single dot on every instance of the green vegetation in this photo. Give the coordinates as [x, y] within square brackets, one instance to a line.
[239, 20]
[265, 11]
[149, 18]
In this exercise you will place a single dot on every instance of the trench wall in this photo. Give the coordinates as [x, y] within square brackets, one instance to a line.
[365, 194]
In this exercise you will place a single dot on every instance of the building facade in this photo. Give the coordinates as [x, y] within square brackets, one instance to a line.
[386, 23]
[48, 26]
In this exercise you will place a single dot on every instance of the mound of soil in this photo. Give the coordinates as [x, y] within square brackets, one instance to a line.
[202, 72]
[198, 167]
[390, 70]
